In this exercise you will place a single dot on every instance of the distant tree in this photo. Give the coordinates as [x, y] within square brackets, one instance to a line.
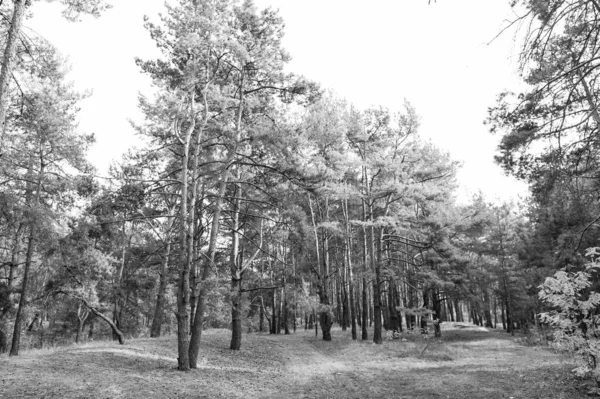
[42, 144]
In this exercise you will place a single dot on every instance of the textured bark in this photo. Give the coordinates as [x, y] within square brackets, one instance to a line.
[438, 310]
[236, 272]
[377, 328]
[351, 299]
[14, 262]
[16, 340]
[261, 317]
[394, 320]
[183, 285]
[325, 317]
[236, 321]
[195, 326]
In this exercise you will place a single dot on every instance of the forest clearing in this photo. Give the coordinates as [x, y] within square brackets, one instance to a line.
[260, 201]
[468, 362]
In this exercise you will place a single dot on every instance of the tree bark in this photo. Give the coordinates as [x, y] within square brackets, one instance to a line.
[183, 286]
[236, 275]
[349, 277]
[16, 339]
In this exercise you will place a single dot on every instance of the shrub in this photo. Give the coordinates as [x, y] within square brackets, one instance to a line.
[575, 315]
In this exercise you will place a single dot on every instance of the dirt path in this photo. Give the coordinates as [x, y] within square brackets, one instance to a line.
[465, 364]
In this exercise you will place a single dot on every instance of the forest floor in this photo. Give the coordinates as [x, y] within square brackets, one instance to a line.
[468, 362]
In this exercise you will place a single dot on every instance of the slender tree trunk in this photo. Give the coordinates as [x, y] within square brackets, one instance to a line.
[194, 348]
[377, 338]
[82, 316]
[392, 306]
[236, 320]
[14, 263]
[502, 315]
[458, 309]
[115, 329]
[352, 303]
[193, 344]
[274, 315]
[235, 270]
[365, 303]
[350, 282]
[279, 312]
[117, 286]
[487, 313]
[286, 324]
[16, 339]
[183, 286]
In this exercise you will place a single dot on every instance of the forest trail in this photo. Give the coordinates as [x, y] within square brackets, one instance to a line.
[467, 363]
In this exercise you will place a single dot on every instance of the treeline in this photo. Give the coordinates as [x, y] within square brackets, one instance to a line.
[260, 202]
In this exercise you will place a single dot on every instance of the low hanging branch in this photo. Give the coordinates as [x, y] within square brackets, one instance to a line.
[98, 313]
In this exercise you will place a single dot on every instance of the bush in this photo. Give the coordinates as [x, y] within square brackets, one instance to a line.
[575, 314]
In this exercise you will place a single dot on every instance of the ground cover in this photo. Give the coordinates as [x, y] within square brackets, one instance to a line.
[467, 362]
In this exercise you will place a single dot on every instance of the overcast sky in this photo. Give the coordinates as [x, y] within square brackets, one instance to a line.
[436, 56]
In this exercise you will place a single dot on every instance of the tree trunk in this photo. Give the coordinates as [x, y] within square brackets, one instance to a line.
[279, 312]
[377, 337]
[115, 329]
[236, 320]
[82, 316]
[193, 347]
[183, 286]
[350, 280]
[14, 262]
[261, 317]
[487, 313]
[212, 248]
[392, 307]
[509, 321]
[16, 339]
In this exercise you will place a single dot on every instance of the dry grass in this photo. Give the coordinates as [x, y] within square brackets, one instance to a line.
[467, 362]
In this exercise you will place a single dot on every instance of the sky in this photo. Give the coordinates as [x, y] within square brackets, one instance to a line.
[437, 56]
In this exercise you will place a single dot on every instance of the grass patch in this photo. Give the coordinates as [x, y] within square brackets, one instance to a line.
[465, 362]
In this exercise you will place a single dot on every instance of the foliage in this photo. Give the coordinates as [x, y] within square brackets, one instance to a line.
[575, 314]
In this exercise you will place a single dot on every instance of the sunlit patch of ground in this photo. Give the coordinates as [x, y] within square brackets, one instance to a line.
[468, 362]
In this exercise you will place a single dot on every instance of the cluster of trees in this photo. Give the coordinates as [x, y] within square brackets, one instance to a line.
[260, 198]
[550, 139]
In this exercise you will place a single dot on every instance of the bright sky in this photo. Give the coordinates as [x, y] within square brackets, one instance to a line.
[436, 56]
